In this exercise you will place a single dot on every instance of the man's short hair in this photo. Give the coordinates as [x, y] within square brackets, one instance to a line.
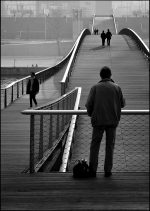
[32, 74]
[105, 72]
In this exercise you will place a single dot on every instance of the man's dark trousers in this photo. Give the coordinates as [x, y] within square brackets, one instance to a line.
[32, 97]
[109, 149]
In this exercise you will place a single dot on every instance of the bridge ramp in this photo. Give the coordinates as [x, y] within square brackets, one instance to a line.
[130, 71]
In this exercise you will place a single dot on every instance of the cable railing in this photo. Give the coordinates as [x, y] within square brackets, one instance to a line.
[131, 33]
[18, 88]
[129, 128]
[48, 128]
[64, 82]
[133, 123]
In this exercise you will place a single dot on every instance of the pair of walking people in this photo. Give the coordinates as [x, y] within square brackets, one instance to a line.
[107, 36]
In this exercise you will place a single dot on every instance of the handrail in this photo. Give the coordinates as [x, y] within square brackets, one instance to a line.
[70, 136]
[41, 71]
[65, 80]
[79, 112]
[42, 75]
[59, 99]
[131, 33]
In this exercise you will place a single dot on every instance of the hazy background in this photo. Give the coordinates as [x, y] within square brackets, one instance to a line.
[65, 8]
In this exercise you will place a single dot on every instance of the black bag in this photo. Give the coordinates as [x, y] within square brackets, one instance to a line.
[81, 169]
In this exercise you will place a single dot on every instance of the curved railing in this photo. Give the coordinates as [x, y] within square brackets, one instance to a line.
[48, 130]
[18, 88]
[65, 80]
[143, 47]
[74, 112]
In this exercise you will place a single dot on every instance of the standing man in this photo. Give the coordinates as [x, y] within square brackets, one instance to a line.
[108, 36]
[104, 105]
[103, 37]
[32, 88]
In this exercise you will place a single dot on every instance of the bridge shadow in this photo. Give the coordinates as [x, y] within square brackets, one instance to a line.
[98, 48]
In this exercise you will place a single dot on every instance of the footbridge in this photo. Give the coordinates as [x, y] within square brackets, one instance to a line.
[40, 146]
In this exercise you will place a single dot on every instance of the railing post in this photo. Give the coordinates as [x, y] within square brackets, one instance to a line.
[5, 98]
[62, 88]
[50, 131]
[57, 127]
[32, 144]
[22, 88]
[41, 138]
[18, 90]
[12, 93]
[63, 116]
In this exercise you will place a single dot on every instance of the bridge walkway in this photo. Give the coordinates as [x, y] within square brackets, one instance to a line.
[15, 127]
[130, 70]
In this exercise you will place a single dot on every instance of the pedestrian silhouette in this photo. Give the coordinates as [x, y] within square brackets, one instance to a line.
[32, 88]
[103, 37]
[104, 104]
[108, 36]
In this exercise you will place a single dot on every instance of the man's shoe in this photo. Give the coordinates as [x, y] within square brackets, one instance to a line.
[108, 174]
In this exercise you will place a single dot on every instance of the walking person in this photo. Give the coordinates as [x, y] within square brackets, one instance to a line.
[108, 36]
[103, 37]
[104, 105]
[33, 88]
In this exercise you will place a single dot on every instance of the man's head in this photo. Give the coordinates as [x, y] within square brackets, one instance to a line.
[32, 74]
[105, 72]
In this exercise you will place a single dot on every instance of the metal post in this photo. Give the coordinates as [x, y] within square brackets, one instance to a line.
[5, 99]
[32, 144]
[57, 127]
[18, 90]
[41, 138]
[50, 131]
[12, 93]
[62, 88]
[22, 88]
[63, 116]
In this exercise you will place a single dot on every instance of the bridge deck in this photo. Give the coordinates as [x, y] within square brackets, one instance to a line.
[130, 71]
[61, 192]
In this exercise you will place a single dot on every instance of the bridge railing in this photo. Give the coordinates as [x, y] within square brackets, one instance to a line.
[48, 129]
[64, 82]
[129, 129]
[18, 88]
[134, 125]
[143, 47]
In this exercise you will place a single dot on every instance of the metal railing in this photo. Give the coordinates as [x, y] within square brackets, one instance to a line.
[18, 88]
[47, 128]
[143, 47]
[69, 143]
[70, 134]
[64, 82]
